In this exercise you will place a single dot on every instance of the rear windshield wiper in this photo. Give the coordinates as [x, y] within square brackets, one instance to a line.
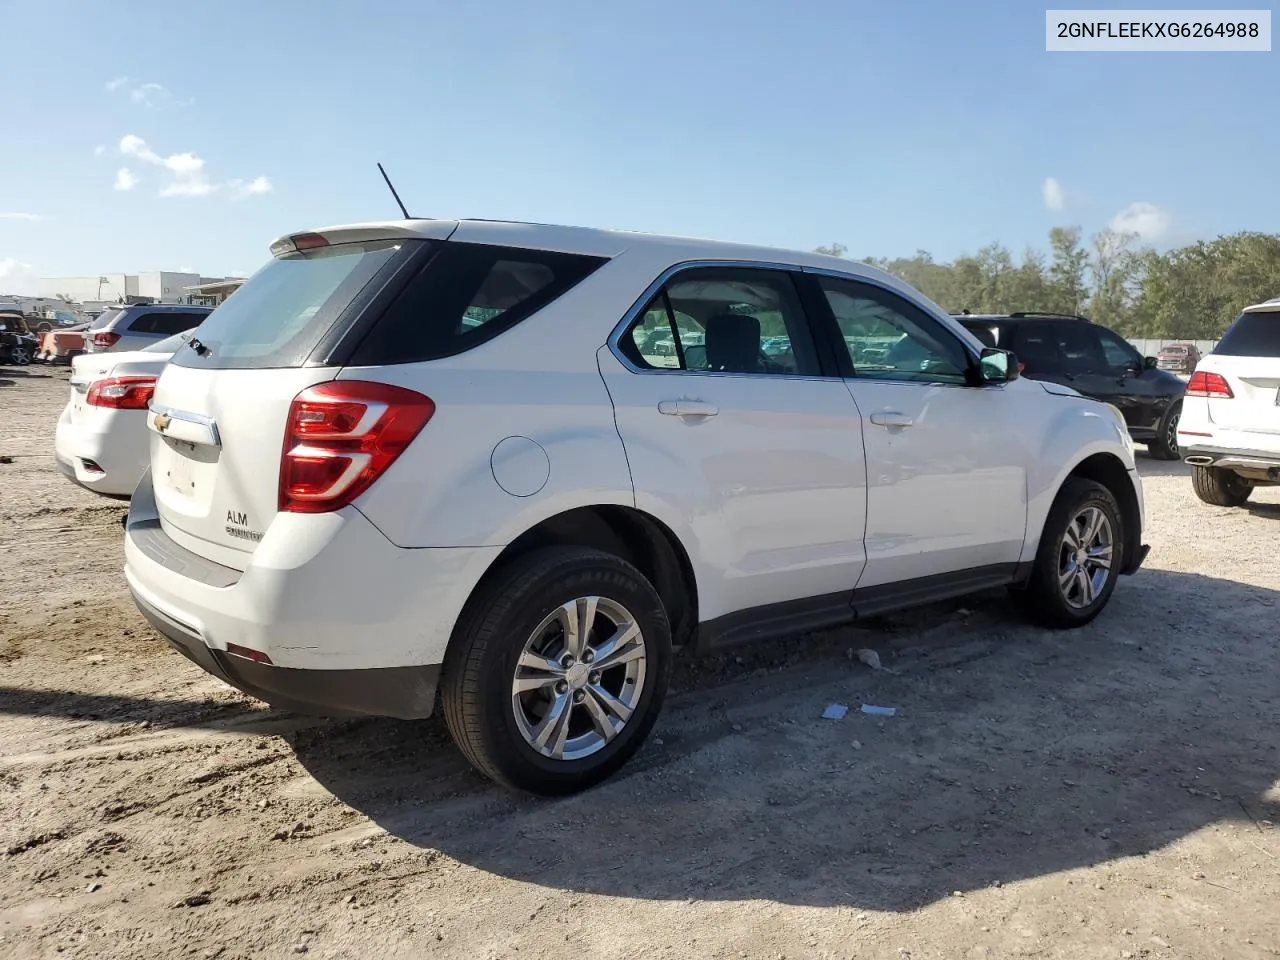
[200, 349]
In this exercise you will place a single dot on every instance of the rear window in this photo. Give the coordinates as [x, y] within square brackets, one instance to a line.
[465, 295]
[165, 322]
[1252, 335]
[104, 318]
[283, 311]
[169, 344]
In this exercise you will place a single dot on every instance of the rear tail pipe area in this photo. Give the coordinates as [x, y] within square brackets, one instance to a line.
[1199, 460]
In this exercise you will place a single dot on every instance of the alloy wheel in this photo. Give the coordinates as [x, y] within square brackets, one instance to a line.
[579, 678]
[1084, 561]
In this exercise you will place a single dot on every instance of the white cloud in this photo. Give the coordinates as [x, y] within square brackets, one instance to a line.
[147, 94]
[1055, 197]
[126, 179]
[254, 187]
[187, 173]
[1146, 220]
[21, 216]
[17, 278]
[189, 178]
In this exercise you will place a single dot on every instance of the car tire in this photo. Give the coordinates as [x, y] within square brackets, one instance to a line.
[19, 356]
[1061, 592]
[1220, 488]
[1165, 445]
[573, 726]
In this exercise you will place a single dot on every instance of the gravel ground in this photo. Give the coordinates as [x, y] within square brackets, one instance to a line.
[1110, 792]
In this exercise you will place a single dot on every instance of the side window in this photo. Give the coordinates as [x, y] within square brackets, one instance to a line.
[468, 294]
[168, 324]
[1036, 348]
[1121, 357]
[891, 339]
[1080, 348]
[144, 323]
[724, 320]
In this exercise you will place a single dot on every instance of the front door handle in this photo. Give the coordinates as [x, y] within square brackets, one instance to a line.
[687, 408]
[891, 418]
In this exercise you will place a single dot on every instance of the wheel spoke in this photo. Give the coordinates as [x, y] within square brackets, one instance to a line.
[1092, 527]
[1066, 576]
[1071, 539]
[600, 718]
[623, 647]
[1100, 556]
[609, 702]
[1086, 586]
[550, 734]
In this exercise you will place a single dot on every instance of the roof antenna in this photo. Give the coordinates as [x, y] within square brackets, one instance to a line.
[392, 188]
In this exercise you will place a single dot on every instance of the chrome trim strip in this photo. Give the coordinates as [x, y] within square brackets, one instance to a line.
[199, 419]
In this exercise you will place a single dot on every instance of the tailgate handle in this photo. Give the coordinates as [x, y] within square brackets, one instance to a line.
[183, 425]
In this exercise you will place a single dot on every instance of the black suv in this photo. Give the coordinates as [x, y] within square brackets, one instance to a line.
[1094, 361]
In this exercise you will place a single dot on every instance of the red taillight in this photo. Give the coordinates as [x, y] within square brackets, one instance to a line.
[105, 339]
[122, 393]
[1205, 384]
[341, 436]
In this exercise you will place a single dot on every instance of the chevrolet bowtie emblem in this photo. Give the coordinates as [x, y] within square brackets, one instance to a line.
[162, 422]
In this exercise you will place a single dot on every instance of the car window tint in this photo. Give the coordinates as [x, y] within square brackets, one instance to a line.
[1121, 356]
[1252, 335]
[465, 295]
[1036, 348]
[891, 339]
[724, 320]
[170, 323]
[1081, 348]
[144, 323]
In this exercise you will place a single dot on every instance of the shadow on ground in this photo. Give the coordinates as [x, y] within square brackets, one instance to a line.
[1016, 753]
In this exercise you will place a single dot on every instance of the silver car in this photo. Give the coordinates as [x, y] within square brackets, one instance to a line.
[135, 326]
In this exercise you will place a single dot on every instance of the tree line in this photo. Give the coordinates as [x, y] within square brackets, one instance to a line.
[1188, 293]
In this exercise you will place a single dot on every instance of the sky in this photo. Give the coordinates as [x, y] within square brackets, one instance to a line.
[159, 136]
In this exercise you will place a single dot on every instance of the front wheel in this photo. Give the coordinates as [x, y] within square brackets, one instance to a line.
[1165, 445]
[557, 671]
[1219, 487]
[1081, 551]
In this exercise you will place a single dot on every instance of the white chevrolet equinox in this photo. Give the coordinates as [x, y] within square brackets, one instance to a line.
[514, 465]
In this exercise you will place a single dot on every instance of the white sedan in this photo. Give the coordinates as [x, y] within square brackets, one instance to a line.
[101, 441]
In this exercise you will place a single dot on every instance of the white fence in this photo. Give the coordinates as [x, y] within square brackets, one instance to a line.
[1149, 348]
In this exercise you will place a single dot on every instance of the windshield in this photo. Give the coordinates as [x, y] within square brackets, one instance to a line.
[283, 311]
[169, 344]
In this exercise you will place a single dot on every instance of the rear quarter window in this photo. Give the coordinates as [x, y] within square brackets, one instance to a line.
[102, 320]
[1252, 335]
[465, 295]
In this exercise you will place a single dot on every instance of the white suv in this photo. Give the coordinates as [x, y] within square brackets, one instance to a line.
[1230, 426]
[517, 464]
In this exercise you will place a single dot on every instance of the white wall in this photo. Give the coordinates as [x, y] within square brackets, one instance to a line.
[81, 289]
[166, 286]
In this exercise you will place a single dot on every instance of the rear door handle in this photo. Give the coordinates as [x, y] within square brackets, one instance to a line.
[687, 408]
[890, 418]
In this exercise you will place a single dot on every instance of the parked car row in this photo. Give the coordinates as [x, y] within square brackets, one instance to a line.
[514, 466]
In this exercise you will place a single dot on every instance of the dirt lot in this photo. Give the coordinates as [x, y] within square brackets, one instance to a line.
[1110, 792]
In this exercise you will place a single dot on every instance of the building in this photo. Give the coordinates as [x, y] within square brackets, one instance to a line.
[211, 292]
[157, 286]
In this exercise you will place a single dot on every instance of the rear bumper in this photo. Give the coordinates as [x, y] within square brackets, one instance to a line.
[118, 445]
[350, 623]
[1265, 463]
[404, 692]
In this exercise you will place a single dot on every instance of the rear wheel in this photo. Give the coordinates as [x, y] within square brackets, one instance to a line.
[1219, 487]
[1165, 445]
[557, 671]
[1081, 550]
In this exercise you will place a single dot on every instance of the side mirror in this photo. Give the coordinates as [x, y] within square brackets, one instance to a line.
[1150, 363]
[998, 366]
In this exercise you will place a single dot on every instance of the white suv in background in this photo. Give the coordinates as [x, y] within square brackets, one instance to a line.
[517, 464]
[1230, 426]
